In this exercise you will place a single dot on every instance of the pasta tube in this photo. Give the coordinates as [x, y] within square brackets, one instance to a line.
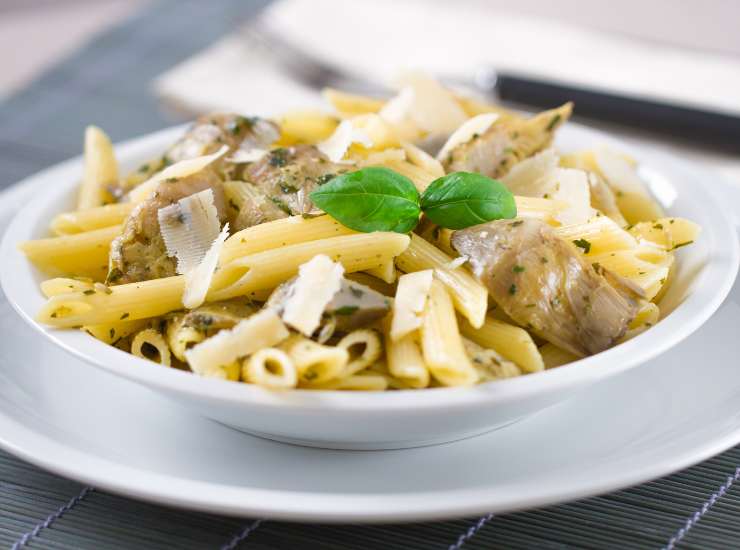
[315, 363]
[405, 360]
[469, 296]
[601, 234]
[363, 347]
[271, 368]
[149, 344]
[280, 233]
[79, 221]
[81, 254]
[101, 169]
[110, 333]
[242, 277]
[268, 269]
[441, 342]
[512, 342]
[349, 105]
[554, 356]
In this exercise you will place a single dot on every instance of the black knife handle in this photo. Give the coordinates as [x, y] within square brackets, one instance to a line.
[692, 124]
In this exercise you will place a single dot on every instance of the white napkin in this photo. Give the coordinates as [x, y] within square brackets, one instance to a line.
[381, 38]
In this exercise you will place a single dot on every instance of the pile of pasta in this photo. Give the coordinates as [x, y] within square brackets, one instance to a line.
[441, 330]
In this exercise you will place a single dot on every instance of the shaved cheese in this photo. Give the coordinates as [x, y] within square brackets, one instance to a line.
[198, 280]
[336, 146]
[188, 228]
[212, 356]
[318, 281]
[475, 126]
[397, 112]
[434, 108]
[572, 186]
[411, 298]
[250, 155]
[619, 172]
[526, 178]
[178, 170]
[540, 177]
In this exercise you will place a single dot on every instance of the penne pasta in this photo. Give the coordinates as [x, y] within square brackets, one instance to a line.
[600, 234]
[181, 338]
[305, 126]
[101, 170]
[63, 285]
[279, 233]
[648, 315]
[149, 344]
[110, 333]
[554, 356]
[303, 301]
[315, 363]
[349, 105]
[79, 221]
[271, 368]
[469, 296]
[84, 254]
[405, 360]
[363, 348]
[512, 342]
[267, 269]
[441, 343]
[385, 272]
[668, 233]
[242, 277]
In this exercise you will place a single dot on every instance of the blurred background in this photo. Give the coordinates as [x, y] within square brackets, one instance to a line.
[133, 66]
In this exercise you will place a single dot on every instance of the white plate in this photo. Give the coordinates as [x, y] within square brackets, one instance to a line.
[371, 420]
[83, 423]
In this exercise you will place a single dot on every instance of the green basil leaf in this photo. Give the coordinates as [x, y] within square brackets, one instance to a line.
[371, 199]
[461, 199]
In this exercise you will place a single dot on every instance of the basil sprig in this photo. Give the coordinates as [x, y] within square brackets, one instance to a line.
[371, 199]
[379, 199]
[462, 199]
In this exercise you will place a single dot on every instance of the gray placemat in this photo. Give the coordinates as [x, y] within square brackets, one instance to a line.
[107, 83]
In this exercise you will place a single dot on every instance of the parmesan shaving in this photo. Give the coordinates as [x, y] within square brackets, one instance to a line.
[540, 177]
[397, 112]
[411, 297]
[198, 280]
[468, 130]
[433, 108]
[212, 356]
[336, 145]
[620, 174]
[251, 155]
[572, 186]
[188, 228]
[178, 170]
[527, 178]
[318, 281]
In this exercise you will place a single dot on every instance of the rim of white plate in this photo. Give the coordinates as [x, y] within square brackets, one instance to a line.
[65, 460]
[19, 283]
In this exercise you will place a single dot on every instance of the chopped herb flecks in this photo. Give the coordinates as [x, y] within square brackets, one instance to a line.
[679, 245]
[553, 122]
[346, 310]
[584, 244]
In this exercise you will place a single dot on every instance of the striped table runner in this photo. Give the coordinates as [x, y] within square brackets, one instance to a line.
[107, 82]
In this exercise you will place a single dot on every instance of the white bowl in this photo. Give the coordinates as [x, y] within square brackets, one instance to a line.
[385, 420]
